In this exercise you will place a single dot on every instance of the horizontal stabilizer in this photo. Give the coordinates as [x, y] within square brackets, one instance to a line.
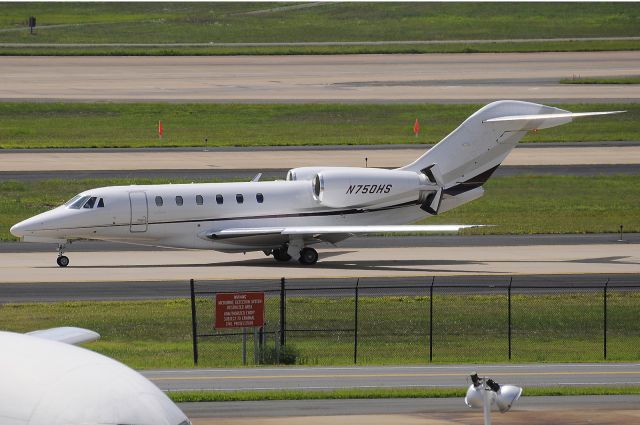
[68, 335]
[541, 121]
[327, 230]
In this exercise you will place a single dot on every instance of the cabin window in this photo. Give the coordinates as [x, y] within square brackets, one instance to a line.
[90, 203]
[159, 201]
[259, 198]
[100, 203]
[219, 199]
[239, 198]
[78, 202]
[199, 200]
[179, 201]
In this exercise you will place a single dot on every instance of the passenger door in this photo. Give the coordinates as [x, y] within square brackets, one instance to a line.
[139, 211]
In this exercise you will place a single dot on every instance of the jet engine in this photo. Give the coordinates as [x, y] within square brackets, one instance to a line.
[355, 187]
[308, 173]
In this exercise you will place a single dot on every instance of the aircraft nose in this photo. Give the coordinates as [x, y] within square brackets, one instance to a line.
[29, 226]
[19, 229]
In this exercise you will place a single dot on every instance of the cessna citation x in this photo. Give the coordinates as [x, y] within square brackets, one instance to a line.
[313, 205]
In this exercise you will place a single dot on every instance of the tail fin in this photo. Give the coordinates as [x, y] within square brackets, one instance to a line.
[466, 158]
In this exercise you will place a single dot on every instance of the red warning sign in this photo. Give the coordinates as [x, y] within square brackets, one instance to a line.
[239, 310]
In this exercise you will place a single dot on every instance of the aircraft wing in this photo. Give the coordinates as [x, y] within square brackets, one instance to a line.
[68, 335]
[329, 230]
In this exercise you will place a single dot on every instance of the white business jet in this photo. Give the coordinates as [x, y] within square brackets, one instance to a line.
[313, 205]
[48, 381]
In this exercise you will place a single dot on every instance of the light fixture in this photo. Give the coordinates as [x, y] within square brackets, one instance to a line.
[485, 393]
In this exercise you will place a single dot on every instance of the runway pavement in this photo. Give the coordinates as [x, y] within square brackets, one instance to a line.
[323, 78]
[274, 174]
[432, 376]
[53, 161]
[602, 410]
[175, 265]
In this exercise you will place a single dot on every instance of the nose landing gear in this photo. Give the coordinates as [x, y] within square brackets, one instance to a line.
[63, 260]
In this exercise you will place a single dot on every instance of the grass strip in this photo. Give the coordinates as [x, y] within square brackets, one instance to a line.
[122, 125]
[514, 205]
[378, 393]
[285, 22]
[392, 330]
[399, 48]
[601, 80]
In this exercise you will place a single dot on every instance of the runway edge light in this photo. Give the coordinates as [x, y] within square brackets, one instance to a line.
[485, 393]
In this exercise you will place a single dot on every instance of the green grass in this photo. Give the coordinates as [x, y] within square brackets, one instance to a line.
[601, 80]
[230, 22]
[87, 125]
[468, 47]
[379, 393]
[531, 204]
[514, 205]
[392, 329]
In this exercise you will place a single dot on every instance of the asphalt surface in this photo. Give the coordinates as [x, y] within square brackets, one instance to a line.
[433, 376]
[272, 174]
[533, 406]
[171, 289]
[422, 146]
[368, 242]
[38, 161]
[321, 78]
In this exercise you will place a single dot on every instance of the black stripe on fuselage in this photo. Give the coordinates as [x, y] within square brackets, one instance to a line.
[309, 214]
[472, 183]
[260, 217]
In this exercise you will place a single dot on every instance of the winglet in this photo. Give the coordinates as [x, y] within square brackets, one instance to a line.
[67, 334]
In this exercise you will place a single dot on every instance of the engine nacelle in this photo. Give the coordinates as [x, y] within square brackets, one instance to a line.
[309, 173]
[355, 187]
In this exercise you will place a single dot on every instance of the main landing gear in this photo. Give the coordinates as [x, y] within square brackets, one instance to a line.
[63, 260]
[308, 256]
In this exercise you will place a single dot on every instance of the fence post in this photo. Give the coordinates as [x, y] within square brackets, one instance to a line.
[509, 313]
[283, 312]
[606, 285]
[194, 323]
[433, 279]
[355, 325]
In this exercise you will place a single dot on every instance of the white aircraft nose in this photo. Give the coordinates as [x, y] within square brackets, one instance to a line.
[31, 225]
[18, 230]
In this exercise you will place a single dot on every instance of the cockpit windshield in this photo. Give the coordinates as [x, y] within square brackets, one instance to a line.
[72, 200]
[87, 202]
[77, 202]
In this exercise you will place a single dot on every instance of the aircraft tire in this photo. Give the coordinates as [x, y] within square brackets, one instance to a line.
[308, 256]
[281, 255]
[63, 261]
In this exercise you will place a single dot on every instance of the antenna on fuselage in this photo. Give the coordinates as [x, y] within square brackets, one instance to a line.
[256, 177]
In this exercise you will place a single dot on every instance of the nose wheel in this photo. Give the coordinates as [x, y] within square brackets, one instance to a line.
[63, 260]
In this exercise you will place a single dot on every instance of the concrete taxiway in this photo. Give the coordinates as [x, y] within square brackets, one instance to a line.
[602, 410]
[274, 174]
[344, 78]
[88, 160]
[607, 259]
[433, 376]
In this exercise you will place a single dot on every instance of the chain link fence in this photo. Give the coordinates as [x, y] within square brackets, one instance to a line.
[479, 319]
